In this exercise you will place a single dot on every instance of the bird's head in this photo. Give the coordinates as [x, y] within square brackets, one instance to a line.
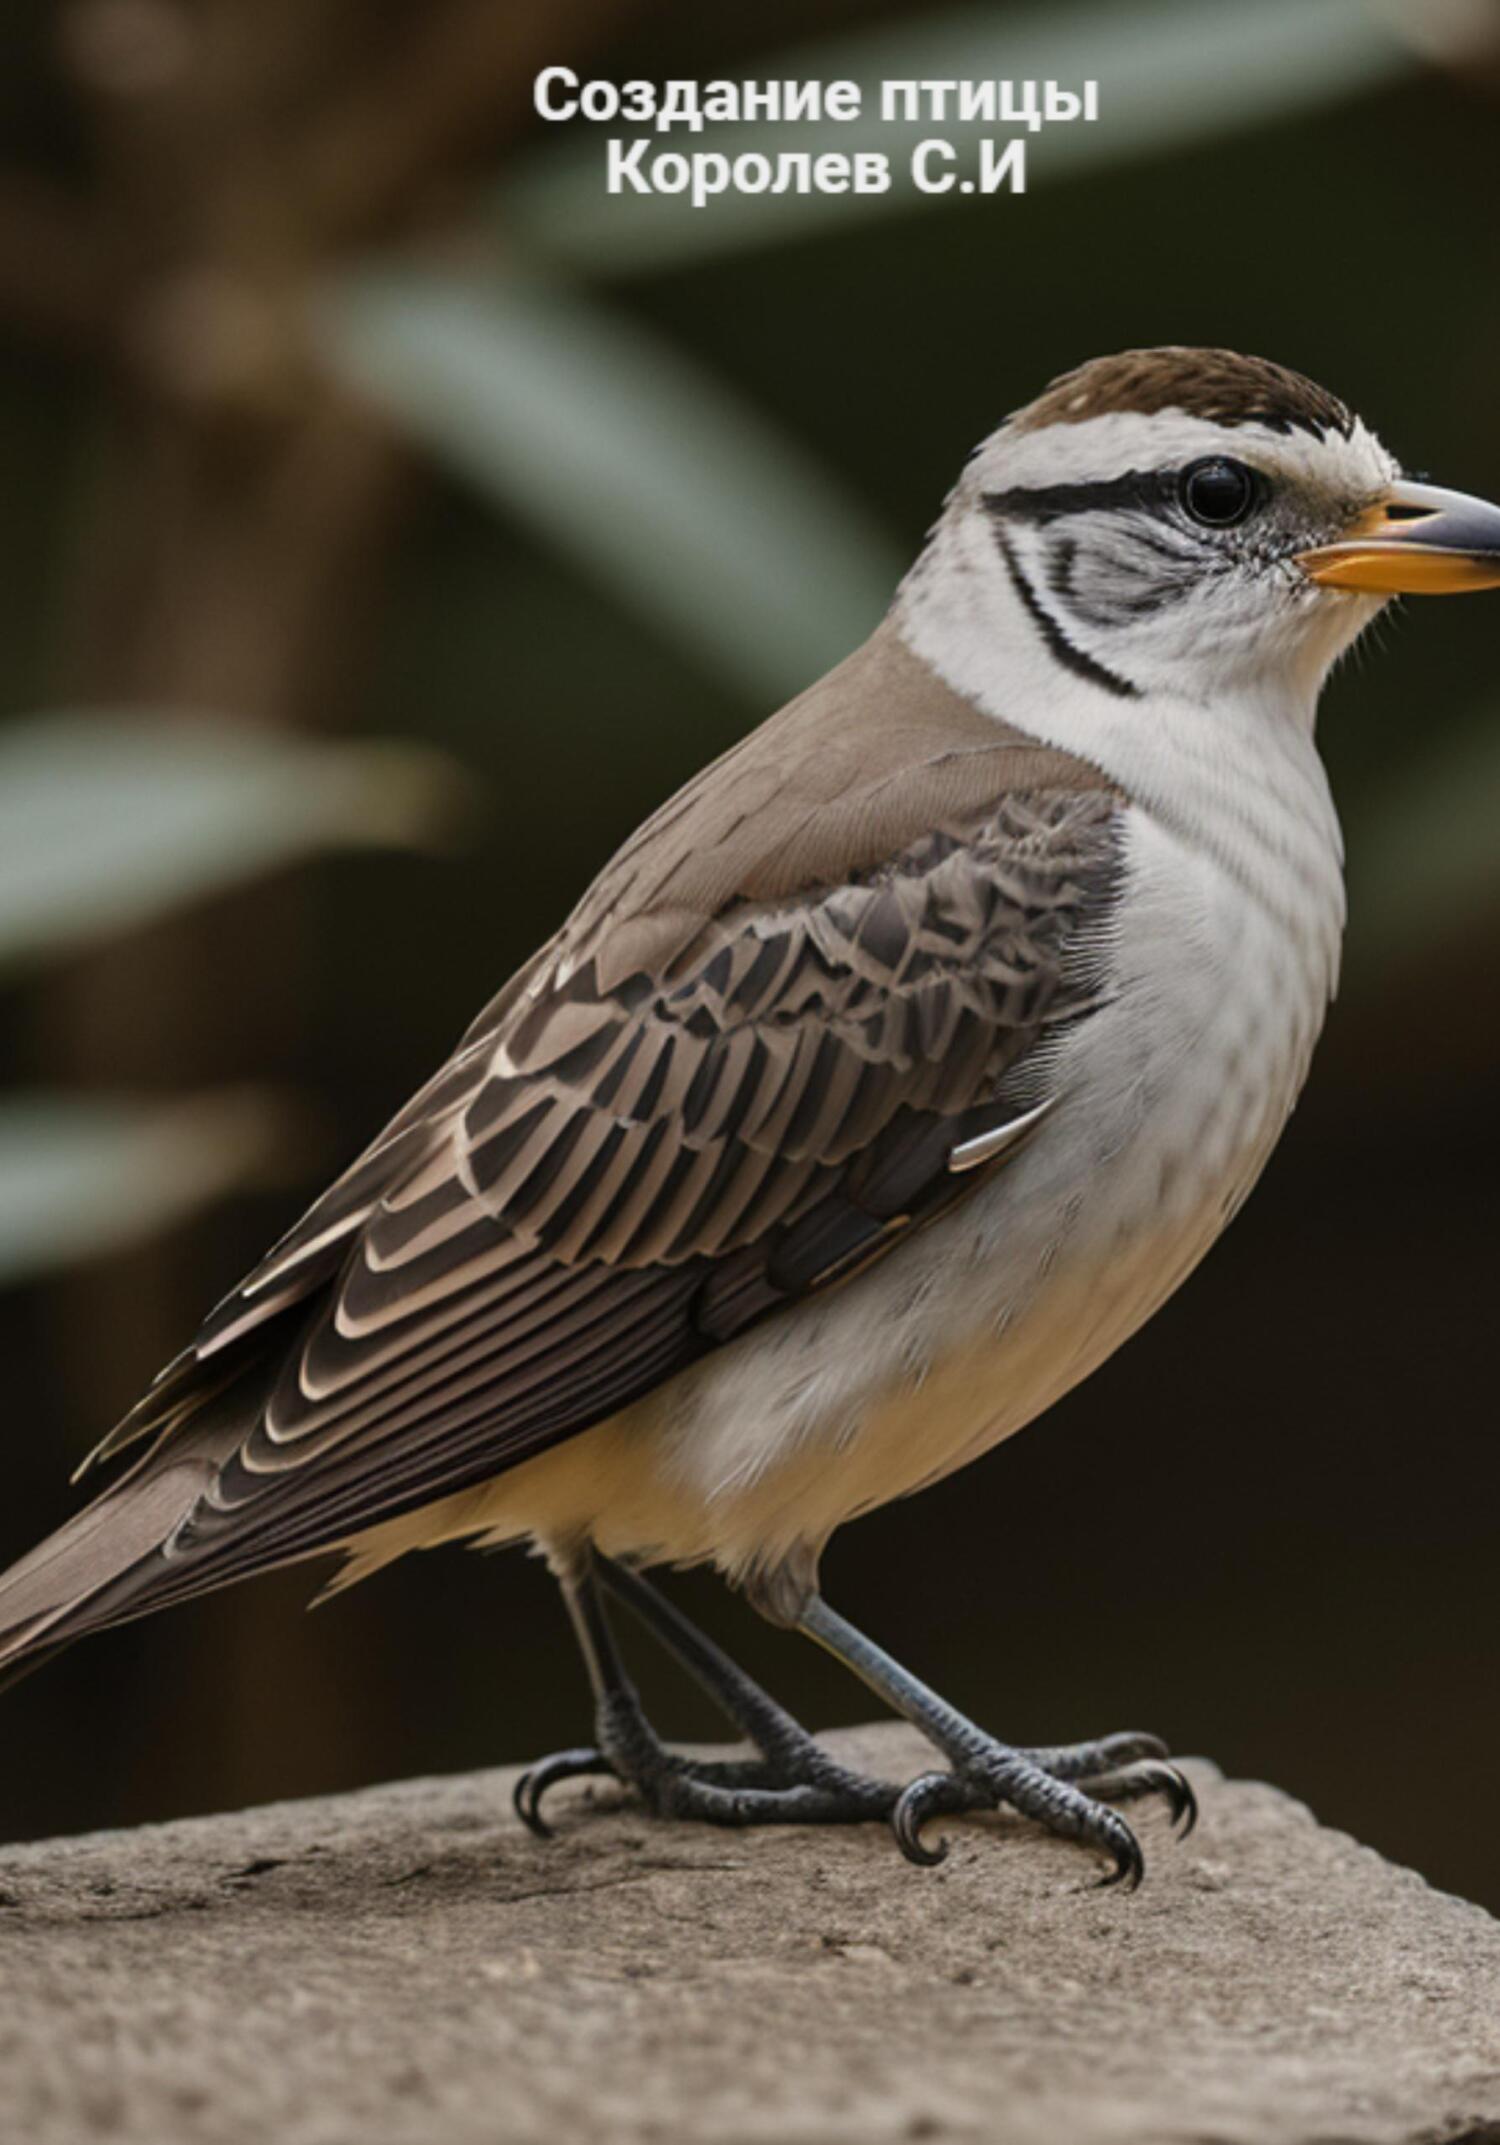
[1195, 523]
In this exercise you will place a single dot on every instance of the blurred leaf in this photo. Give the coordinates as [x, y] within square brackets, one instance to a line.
[106, 820]
[1170, 74]
[683, 499]
[81, 1177]
[1424, 860]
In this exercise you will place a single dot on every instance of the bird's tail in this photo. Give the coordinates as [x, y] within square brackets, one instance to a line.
[101, 1566]
[61, 1589]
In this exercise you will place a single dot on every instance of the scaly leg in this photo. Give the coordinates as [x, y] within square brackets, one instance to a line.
[1038, 1784]
[792, 1782]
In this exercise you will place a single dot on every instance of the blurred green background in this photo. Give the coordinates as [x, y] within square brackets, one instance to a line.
[389, 520]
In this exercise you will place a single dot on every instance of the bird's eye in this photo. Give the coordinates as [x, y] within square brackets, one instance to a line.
[1218, 492]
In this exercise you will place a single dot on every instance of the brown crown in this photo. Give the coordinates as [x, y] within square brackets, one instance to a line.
[1220, 385]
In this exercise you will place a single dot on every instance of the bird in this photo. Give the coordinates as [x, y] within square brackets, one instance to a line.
[882, 1084]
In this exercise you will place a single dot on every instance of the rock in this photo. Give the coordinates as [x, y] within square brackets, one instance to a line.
[407, 1964]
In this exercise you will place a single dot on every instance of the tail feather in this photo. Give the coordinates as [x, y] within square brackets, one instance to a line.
[46, 1597]
[98, 1564]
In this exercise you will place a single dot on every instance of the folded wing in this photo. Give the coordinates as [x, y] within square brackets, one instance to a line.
[696, 1106]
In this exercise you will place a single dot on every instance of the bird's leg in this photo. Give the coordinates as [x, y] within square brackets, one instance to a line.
[791, 1753]
[792, 1782]
[1038, 1784]
[791, 1757]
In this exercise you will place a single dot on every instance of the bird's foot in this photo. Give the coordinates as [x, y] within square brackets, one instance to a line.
[793, 1783]
[1068, 1789]
[1091, 1760]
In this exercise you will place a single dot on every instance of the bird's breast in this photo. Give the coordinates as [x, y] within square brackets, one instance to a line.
[1170, 1099]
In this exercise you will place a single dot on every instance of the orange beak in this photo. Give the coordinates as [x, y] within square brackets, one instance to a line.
[1416, 541]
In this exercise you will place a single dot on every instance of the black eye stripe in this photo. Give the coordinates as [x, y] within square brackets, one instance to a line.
[1151, 489]
[1043, 503]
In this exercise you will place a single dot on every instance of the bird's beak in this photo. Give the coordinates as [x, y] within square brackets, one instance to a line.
[1418, 540]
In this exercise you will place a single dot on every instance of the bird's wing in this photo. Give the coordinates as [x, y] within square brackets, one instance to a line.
[742, 1069]
[307, 1258]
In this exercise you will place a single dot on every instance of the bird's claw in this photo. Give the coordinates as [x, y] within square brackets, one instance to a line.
[1075, 1810]
[1068, 1790]
[929, 1795]
[1149, 1776]
[533, 1784]
[1092, 1760]
[733, 1791]
[1124, 1851]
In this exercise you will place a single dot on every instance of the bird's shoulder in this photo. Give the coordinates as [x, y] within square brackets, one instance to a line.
[878, 755]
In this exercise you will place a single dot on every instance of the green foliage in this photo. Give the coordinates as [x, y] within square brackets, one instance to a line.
[656, 478]
[83, 1177]
[106, 822]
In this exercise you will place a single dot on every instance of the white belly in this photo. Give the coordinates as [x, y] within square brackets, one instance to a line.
[1170, 1100]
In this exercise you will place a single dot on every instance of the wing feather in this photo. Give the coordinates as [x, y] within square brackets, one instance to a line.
[737, 1074]
[551, 1253]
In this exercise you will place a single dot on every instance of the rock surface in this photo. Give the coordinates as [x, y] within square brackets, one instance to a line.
[407, 1964]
